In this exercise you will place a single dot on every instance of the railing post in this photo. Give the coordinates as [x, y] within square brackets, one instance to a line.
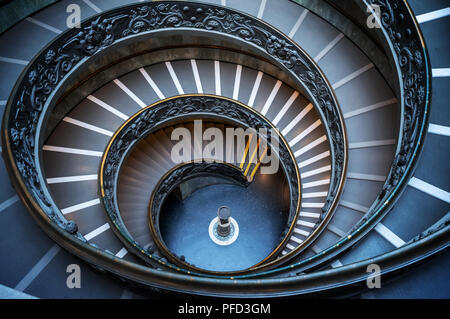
[224, 227]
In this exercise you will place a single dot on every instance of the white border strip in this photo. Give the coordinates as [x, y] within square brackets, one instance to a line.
[71, 150]
[285, 107]
[298, 23]
[330, 45]
[315, 171]
[81, 206]
[305, 224]
[129, 93]
[429, 189]
[37, 268]
[271, 97]
[262, 6]
[96, 232]
[387, 234]
[255, 89]
[441, 72]
[69, 179]
[366, 177]
[370, 144]
[314, 195]
[433, 15]
[316, 249]
[93, 6]
[295, 239]
[10, 201]
[174, 77]
[310, 215]
[310, 146]
[336, 230]
[237, 81]
[354, 206]
[337, 263]
[305, 132]
[15, 61]
[369, 108]
[301, 232]
[217, 77]
[198, 82]
[152, 83]
[312, 205]
[439, 129]
[87, 126]
[107, 107]
[44, 25]
[121, 253]
[297, 119]
[316, 183]
[352, 76]
[314, 159]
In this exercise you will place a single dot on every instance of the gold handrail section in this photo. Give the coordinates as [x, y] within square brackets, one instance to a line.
[241, 166]
[252, 157]
[261, 265]
[255, 169]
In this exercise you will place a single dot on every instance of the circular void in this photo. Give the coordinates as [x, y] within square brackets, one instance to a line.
[163, 118]
[189, 227]
[127, 23]
[414, 126]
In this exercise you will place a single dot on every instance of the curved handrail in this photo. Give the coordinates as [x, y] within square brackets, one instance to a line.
[410, 54]
[179, 107]
[31, 101]
[25, 172]
[172, 179]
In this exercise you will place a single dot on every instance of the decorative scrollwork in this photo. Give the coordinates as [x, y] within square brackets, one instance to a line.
[31, 95]
[173, 179]
[31, 99]
[441, 224]
[150, 119]
[187, 171]
[276, 45]
[410, 54]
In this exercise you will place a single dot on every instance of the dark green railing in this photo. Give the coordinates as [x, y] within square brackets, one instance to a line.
[31, 102]
[179, 108]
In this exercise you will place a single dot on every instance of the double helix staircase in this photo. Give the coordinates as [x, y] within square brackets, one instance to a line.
[369, 154]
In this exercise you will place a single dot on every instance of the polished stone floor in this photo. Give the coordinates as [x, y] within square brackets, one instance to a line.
[257, 210]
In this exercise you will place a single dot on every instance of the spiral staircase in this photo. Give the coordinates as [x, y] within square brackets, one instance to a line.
[357, 103]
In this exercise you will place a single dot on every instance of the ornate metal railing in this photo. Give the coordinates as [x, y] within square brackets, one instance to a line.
[407, 48]
[176, 176]
[43, 80]
[181, 107]
[32, 99]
